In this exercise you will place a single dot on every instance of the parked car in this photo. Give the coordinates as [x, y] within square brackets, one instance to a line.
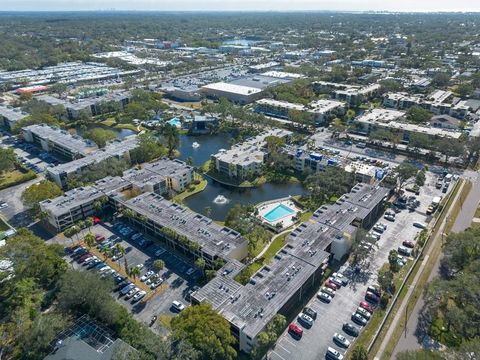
[324, 297]
[310, 312]
[334, 354]
[342, 278]
[156, 283]
[402, 250]
[359, 319]
[159, 252]
[350, 329]
[366, 314]
[147, 275]
[367, 306]
[93, 263]
[408, 244]
[305, 319]
[341, 340]
[295, 330]
[131, 293]
[190, 271]
[371, 297]
[331, 285]
[336, 281]
[328, 291]
[420, 225]
[126, 289]
[178, 306]
[138, 296]
[375, 290]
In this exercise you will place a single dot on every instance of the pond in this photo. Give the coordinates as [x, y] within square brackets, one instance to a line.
[243, 196]
[208, 145]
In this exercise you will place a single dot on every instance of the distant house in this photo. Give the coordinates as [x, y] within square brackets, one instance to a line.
[87, 340]
[445, 122]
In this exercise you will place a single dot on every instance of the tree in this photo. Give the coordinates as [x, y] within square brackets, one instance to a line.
[171, 135]
[449, 148]
[158, 265]
[419, 355]
[100, 136]
[419, 140]
[7, 160]
[393, 260]
[440, 79]
[385, 280]
[89, 240]
[134, 272]
[418, 115]
[36, 193]
[149, 148]
[200, 263]
[405, 171]
[207, 332]
[420, 178]
[359, 353]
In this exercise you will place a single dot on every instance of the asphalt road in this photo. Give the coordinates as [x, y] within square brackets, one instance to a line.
[331, 316]
[414, 336]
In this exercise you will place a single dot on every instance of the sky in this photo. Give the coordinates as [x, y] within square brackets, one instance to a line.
[242, 5]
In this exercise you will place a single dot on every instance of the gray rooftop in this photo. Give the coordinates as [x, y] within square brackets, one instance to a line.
[12, 114]
[63, 138]
[113, 148]
[214, 239]
[168, 168]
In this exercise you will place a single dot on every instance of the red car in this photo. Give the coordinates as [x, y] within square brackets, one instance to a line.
[96, 220]
[295, 330]
[408, 244]
[84, 257]
[367, 306]
[99, 238]
[371, 297]
[331, 285]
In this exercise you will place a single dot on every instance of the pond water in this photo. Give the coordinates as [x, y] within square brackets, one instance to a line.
[208, 145]
[269, 191]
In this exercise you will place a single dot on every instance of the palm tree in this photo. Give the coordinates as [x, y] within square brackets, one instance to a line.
[135, 272]
[89, 223]
[158, 265]
[122, 251]
[89, 240]
[128, 213]
[359, 353]
[200, 263]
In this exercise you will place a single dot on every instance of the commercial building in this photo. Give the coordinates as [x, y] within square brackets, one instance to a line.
[186, 93]
[246, 159]
[114, 149]
[374, 64]
[283, 283]
[394, 120]
[10, 115]
[58, 141]
[320, 110]
[353, 95]
[67, 73]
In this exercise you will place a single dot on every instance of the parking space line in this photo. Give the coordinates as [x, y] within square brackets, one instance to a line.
[283, 348]
[280, 356]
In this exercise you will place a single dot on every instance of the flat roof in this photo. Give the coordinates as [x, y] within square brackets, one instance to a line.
[63, 138]
[214, 239]
[12, 114]
[232, 88]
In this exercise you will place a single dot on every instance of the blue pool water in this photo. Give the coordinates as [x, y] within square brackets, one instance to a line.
[174, 122]
[278, 212]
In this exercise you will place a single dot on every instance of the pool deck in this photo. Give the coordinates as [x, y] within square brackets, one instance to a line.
[286, 220]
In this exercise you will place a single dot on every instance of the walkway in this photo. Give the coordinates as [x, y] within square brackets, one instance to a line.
[270, 243]
[410, 341]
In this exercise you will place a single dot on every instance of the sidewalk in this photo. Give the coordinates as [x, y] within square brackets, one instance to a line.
[403, 307]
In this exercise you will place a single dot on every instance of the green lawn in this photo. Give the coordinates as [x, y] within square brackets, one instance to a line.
[306, 216]
[126, 126]
[108, 122]
[273, 248]
[15, 177]
[195, 189]
[3, 225]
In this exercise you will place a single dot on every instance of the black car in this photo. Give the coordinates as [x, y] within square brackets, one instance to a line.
[310, 312]
[350, 329]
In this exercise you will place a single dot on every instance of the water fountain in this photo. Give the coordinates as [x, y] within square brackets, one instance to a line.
[220, 200]
[195, 145]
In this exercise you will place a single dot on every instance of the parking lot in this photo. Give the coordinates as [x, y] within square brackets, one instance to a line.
[331, 316]
[176, 283]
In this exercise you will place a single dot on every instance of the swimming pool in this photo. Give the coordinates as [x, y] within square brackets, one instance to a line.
[278, 212]
[175, 122]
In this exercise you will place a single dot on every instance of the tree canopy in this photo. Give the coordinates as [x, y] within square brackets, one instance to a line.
[43, 190]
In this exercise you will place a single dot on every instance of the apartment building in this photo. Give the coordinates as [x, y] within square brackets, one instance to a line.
[59, 142]
[245, 159]
[114, 149]
[353, 95]
[9, 116]
[284, 282]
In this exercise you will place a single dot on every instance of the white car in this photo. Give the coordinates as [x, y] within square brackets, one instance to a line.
[190, 271]
[147, 276]
[341, 277]
[304, 318]
[3, 205]
[335, 354]
[140, 266]
[341, 340]
[178, 306]
[328, 291]
[324, 297]
[131, 293]
[138, 296]
[156, 283]
[365, 313]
